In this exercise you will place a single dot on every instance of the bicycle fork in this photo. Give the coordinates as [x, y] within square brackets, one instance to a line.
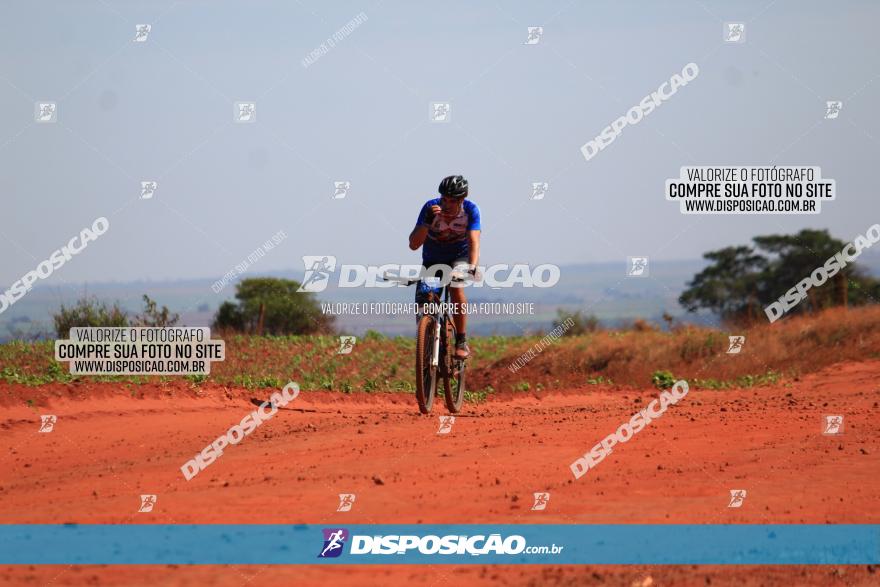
[435, 354]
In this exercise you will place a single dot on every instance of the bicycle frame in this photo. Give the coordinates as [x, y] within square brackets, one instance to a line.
[440, 322]
[429, 351]
[440, 318]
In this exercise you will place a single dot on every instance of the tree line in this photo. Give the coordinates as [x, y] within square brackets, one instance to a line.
[738, 283]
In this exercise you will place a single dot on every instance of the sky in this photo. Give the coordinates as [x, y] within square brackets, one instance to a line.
[163, 110]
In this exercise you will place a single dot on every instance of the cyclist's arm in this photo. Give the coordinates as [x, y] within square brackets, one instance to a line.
[417, 236]
[474, 252]
[420, 232]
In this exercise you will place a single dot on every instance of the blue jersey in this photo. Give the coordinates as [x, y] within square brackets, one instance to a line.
[447, 238]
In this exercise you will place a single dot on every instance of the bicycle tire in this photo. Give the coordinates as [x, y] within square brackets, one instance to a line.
[453, 375]
[426, 374]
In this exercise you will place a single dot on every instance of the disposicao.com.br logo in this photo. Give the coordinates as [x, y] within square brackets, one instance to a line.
[334, 541]
[452, 544]
[319, 271]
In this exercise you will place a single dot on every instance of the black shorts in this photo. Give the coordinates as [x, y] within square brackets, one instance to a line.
[441, 269]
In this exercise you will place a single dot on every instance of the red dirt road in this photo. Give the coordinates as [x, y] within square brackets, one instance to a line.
[109, 447]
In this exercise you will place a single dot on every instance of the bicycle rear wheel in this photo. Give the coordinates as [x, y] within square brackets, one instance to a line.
[426, 374]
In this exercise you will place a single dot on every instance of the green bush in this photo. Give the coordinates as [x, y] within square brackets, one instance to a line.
[373, 335]
[580, 323]
[88, 312]
[154, 317]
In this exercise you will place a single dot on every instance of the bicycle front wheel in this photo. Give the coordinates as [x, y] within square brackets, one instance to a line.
[426, 373]
[453, 378]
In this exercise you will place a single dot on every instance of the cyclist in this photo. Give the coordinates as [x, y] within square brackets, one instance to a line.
[449, 229]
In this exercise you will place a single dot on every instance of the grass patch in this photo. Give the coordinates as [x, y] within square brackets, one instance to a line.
[600, 380]
[794, 345]
[663, 379]
[476, 397]
[745, 381]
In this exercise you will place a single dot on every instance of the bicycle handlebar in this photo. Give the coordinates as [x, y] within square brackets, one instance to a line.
[408, 282]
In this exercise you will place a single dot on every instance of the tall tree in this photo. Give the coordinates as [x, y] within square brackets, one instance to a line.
[794, 257]
[742, 280]
[732, 286]
[284, 310]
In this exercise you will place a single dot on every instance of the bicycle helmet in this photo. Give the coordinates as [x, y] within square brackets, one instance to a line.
[454, 186]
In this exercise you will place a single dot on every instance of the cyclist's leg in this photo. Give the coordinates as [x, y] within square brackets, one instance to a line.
[428, 285]
[459, 317]
[459, 298]
[442, 269]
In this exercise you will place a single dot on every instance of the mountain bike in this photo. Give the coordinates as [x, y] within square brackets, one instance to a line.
[435, 352]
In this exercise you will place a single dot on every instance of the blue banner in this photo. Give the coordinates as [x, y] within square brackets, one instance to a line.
[654, 544]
